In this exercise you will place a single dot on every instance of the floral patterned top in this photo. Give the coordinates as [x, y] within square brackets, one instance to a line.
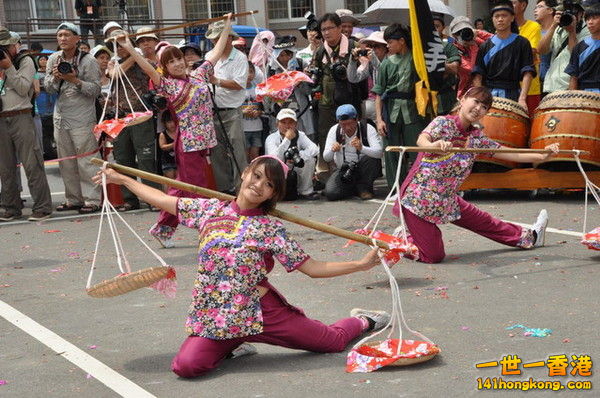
[236, 253]
[435, 178]
[191, 101]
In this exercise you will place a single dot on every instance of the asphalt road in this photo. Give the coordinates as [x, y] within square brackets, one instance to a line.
[464, 305]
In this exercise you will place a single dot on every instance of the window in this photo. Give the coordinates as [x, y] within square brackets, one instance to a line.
[288, 9]
[200, 9]
[138, 11]
[358, 6]
[20, 10]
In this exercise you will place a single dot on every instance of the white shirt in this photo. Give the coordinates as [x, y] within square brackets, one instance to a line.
[276, 144]
[305, 55]
[374, 150]
[235, 68]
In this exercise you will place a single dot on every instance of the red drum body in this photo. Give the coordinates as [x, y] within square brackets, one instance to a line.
[571, 119]
[507, 123]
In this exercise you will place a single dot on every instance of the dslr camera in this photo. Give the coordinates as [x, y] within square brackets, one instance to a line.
[466, 34]
[569, 11]
[293, 154]
[154, 100]
[348, 171]
[64, 67]
[339, 71]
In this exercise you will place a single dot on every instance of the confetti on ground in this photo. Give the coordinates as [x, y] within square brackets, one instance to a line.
[532, 332]
[92, 347]
[566, 340]
[57, 270]
[52, 231]
[89, 376]
[3, 382]
[465, 328]
[73, 254]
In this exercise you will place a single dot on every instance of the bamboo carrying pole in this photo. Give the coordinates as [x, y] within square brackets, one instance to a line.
[222, 196]
[193, 23]
[482, 150]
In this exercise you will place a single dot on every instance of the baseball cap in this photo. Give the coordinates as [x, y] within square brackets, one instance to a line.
[459, 23]
[69, 26]
[345, 112]
[287, 113]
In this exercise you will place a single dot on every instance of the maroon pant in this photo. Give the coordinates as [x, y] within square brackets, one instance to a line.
[283, 325]
[428, 237]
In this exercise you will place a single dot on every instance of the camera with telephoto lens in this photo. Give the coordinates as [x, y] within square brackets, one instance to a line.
[568, 13]
[348, 171]
[64, 67]
[339, 71]
[293, 154]
[154, 100]
[466, 34]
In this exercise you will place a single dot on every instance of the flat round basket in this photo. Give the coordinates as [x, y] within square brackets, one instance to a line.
[126, 283]
[139, 118]
[408, 347]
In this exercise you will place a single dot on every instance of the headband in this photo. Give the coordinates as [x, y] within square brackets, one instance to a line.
[283, 165]
[503, 8]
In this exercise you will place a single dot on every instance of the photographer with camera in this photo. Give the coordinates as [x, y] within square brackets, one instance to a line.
[364, 65]
[566, 31]
[333, 89]
[584, 67]
[356, 149]
[467, 41]
[135, 146]
[17, 134]
[75, 76]
[297, 151]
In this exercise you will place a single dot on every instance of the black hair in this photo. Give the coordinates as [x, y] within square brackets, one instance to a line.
[483, 94]
[274, 172]
[36, 46]
[166, 117]
[549, 3]
[592, 11]
[330, 16]
[504, 4]
[441, 19]
[397, 31]
[42, 56]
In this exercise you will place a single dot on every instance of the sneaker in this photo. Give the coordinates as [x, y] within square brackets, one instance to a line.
[9, 216]
[38, 216]
[243, 350]
[379, 318]
[540, 227]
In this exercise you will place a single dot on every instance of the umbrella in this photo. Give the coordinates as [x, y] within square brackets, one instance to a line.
[385, 12]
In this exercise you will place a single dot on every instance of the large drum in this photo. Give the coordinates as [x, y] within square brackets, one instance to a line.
[507, 123]
[572, 119]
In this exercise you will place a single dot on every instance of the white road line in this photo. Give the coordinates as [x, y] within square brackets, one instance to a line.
[97, 214]
[51, 193]
[553, 230]
[107, 376]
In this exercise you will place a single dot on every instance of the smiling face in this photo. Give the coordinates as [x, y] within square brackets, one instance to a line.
[177, 67]
[347, 28]
[256, 187]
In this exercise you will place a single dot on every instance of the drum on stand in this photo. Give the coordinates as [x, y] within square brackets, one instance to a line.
[507, 123]
[571, 119]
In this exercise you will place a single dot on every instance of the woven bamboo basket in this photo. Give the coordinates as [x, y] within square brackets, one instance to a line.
[126, 283]
[433, 351]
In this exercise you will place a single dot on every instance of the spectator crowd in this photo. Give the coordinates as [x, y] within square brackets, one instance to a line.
[208, 122]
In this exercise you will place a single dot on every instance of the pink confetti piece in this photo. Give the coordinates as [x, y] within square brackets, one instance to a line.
[52, 231]
[566, 340]
[89, 376]
[465, 328]
[57, 270]
[92, 347]
[437, 289]
[73, 254]
[3, 382]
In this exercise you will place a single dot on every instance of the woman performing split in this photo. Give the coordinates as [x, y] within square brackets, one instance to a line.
[232, 300]
[429, 194]
[189, 99]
